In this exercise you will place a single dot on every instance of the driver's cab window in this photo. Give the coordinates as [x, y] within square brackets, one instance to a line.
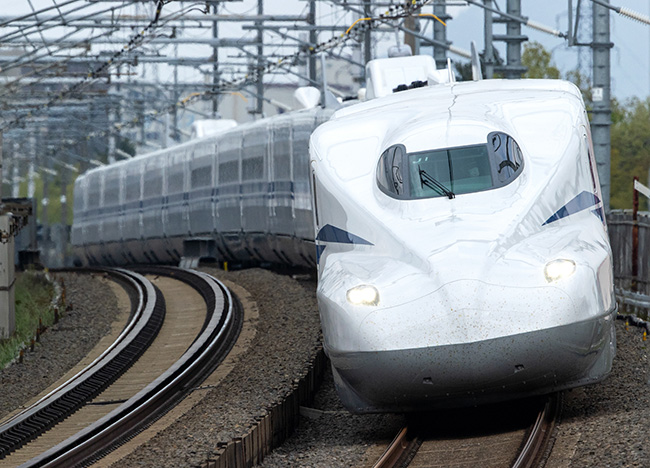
[448, 172]
[507, 156]
[391, 171]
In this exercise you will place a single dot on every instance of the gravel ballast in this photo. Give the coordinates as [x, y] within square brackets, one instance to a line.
[602, 425]
[93, 307]
[287, 339]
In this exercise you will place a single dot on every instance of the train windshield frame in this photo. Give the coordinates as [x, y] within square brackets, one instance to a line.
[447, 172]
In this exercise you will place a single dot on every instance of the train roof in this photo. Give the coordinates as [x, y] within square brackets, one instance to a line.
[290, 118]
[458, 114]
[486, 92]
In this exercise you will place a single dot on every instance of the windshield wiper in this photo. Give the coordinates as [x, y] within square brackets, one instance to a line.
[426, 179]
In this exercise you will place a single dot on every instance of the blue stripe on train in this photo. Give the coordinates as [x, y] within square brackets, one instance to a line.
[580, 202]
[329, 233]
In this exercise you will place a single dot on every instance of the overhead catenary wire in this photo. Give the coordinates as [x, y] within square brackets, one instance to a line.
[252, 77]
[625, 12]
[235, 78]
[135, 41]
[525, 21]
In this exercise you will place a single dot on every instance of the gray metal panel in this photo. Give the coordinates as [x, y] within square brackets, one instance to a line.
[281, 221]
[176, 211]
[303, 127]
[229, 183]
[152, 197]
[202, 175]
[91, 233]
[132, 216]
[78, 210]
[110, 225]
[255, 179]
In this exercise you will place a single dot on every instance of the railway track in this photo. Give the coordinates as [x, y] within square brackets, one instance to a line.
[515, 435]
[182, 325]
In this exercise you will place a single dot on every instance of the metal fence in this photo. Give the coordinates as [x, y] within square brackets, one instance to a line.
[630, 241]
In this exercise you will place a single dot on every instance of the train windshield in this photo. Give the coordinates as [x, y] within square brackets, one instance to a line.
[456, 170]
[450, 171]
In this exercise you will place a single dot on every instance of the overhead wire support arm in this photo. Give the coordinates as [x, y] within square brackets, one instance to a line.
[43, 25]
[456, 50]
[291, 72]
[276, 30]
[520, 19]
[5, 23]
[625, 12]
[134, 42]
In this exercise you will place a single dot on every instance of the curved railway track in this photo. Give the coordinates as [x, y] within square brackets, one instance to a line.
[460, 440]
[182, 325]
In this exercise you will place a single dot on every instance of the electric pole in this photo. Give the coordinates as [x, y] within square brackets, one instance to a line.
[488, 56]
[7, 274]
[601, 113]
[440, 34]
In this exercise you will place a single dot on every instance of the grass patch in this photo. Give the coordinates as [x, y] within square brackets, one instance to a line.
[33, 301]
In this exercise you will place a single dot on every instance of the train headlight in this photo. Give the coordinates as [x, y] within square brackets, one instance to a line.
[559, 269]
[364, 294]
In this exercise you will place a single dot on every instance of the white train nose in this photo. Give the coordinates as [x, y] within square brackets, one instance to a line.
[485, 371]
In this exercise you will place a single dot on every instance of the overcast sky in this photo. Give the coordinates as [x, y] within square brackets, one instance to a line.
[629, 57]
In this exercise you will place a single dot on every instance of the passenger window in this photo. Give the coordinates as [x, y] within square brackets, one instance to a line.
[153, 183]
[506, 156]
[132, 186]
[390, 171]
[229, 172]
[253, 169]
[93, 195]
[201, 177]
[112, 188]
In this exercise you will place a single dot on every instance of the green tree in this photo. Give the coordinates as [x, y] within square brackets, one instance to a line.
[630, 150]
[538, 61]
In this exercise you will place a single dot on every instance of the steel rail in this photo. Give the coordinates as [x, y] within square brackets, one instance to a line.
[540, 434]
[147, 315]
[399, 450]
[219, 332]
[406, 443]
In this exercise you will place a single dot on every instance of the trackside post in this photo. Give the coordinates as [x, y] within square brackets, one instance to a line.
[7, 268]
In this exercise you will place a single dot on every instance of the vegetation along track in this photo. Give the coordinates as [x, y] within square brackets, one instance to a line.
[493, 437]
[172, 341]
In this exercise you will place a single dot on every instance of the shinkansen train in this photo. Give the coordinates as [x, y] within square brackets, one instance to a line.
[463, 253]
[241, 195]
[457, 229]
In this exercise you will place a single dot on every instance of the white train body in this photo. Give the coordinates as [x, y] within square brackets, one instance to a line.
[504, 290]
[500, 289]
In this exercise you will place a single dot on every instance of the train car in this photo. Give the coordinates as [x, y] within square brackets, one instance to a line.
[463, 255]
[457, 228]
[241, 195]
